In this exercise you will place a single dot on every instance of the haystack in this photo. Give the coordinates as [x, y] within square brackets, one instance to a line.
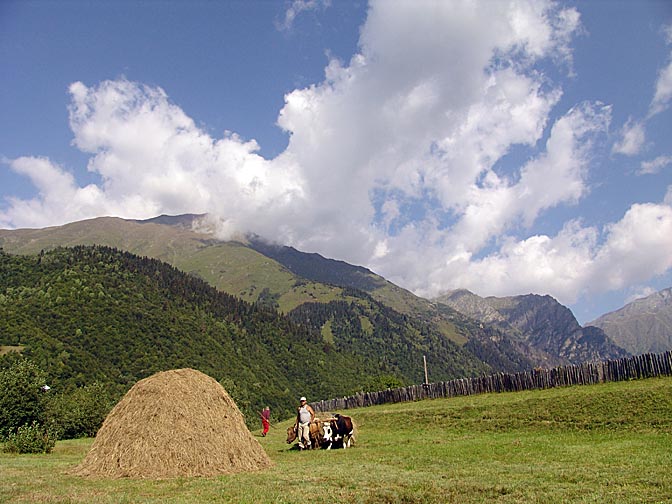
[174, 423]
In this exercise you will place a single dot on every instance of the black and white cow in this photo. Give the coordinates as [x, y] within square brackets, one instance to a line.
[338, 432]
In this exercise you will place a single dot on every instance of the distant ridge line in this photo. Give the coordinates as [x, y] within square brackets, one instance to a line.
[589, 373]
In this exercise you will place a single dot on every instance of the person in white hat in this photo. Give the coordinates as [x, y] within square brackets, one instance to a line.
[304, 415]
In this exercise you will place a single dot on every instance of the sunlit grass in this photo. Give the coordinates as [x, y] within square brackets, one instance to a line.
[602, 443]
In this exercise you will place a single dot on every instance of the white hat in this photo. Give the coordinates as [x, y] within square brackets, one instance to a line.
[302, 399]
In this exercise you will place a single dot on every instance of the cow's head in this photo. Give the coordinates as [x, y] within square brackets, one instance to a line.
[327, 432]
[291, 435]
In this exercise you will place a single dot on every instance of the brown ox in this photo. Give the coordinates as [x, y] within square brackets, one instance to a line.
[316, 434]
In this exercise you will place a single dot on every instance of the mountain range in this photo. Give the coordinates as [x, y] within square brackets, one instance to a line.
[326, 295]
[540, 323]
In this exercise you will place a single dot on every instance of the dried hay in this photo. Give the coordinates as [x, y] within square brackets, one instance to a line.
[174, 423]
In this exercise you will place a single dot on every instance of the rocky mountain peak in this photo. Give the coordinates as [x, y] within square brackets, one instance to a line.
[643, 326]
[546, 326]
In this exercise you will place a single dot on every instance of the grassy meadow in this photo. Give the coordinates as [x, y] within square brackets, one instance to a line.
[602, 443]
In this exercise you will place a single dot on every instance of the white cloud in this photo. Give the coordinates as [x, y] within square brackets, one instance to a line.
[60, 199]
[577, 261]
[639, 292]
[415, 116]
[152, 159]
[663, 93]
[654, 166]
[637, 248]
[556, 176]
[667, 33]
[632, 139]
[296, 8]
[537, 264]
[663, 88]
[668, 196]
[559, 175]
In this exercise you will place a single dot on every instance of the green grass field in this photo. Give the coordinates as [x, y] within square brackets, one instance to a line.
[602, 443]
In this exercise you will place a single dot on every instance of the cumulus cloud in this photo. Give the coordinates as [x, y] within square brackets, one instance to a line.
[398, 160]
[637, 247]
[557, 176]
[151, 159]
[577, 261]
[59, 199]
[562, 262]
[428, 117]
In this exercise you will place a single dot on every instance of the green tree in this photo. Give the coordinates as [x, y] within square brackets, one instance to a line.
[79, 412]
[21, 395]
[382, 382]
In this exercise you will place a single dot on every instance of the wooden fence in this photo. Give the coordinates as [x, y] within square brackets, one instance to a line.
[628, 368]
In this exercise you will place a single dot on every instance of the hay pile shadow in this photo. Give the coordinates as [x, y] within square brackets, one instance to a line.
[174, 423]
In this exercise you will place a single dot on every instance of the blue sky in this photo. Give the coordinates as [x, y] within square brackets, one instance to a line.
[503, 147]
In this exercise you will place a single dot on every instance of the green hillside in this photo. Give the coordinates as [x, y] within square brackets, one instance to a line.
[97, 313]
[229, 266]
[93, 313]
[390, 342]
[279, 277]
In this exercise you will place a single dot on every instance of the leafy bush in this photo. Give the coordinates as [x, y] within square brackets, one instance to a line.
[81, 412]
[33, 438]
[382, 382]
[21, 396]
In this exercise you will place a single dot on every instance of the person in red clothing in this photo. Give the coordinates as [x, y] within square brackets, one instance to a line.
[265, 420]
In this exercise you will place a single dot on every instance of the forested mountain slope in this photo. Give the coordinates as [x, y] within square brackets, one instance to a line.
[96, 313]
[271, 275]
